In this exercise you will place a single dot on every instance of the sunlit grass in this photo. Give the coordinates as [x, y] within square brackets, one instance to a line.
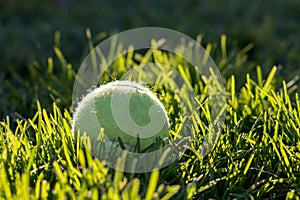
[257, 155]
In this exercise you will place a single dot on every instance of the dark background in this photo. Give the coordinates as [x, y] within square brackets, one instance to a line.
[27, 35]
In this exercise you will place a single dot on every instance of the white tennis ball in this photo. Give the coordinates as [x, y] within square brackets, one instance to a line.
[125, 110]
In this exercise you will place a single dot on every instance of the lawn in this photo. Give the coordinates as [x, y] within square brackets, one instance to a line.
[257, 155]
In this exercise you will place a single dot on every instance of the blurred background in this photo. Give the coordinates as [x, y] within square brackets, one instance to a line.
[30, 29]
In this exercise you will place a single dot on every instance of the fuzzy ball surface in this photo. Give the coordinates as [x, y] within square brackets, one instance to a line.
[123, 110]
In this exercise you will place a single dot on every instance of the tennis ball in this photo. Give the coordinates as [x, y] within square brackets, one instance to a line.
[125, 110]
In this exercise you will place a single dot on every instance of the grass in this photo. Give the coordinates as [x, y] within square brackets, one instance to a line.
[257, 155]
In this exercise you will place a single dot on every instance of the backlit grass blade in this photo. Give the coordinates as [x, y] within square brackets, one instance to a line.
[267, 84]
[152, 184]
[248, 164]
